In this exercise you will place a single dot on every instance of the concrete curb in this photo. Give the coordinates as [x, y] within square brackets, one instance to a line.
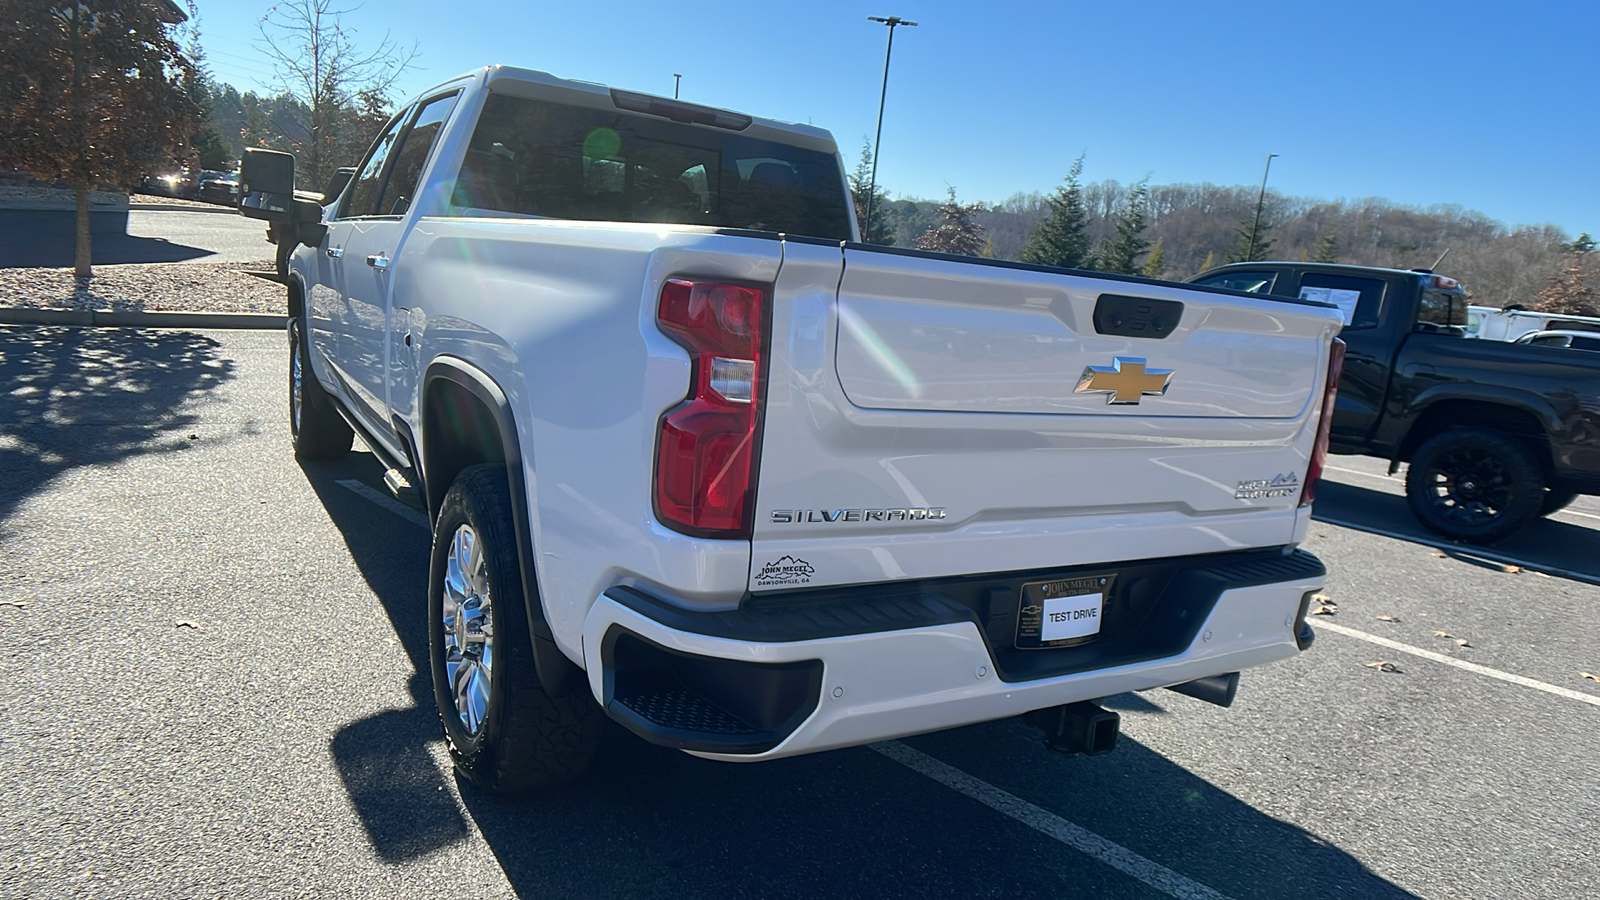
[175, 207]
[109, 319]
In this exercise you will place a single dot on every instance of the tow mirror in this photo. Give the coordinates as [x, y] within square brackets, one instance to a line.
[266, 183]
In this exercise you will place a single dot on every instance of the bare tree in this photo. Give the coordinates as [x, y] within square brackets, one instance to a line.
[340, 88]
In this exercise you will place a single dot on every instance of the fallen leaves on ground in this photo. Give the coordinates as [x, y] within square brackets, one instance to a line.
[1442, 634]
[1590, 675]
[1383, 666]
[1388, 618]
[1512, 569]
[1462, 642]
[1440, 554]
[185, 623]
[19, 604]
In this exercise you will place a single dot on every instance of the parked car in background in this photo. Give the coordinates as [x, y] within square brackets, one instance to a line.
[1573, 340]
[218, 187]
[179, 182]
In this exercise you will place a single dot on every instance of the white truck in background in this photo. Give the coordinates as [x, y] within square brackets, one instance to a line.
[1493, 324]
[697, 460]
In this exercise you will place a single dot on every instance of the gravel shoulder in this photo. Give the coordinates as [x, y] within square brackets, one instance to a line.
[147, 287]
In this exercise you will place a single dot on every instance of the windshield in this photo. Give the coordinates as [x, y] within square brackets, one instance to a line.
[535, 158]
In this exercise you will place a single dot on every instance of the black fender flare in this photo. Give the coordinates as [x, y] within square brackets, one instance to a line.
[558, 674]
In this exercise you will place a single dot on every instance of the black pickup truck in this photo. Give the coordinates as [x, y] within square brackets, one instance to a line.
[1496, 433]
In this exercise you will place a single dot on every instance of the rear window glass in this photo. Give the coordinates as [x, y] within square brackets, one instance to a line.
[533, 158]
[1249, 282]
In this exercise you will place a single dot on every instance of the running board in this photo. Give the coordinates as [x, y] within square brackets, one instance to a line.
[399, 483]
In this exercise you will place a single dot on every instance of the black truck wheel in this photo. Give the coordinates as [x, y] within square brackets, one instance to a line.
[315, 426]
[1474, 485]
[505, 733]
[1555, 500]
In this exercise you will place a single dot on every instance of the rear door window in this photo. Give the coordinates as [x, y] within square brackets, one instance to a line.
[405, 174]
[535, 158]
[1359, 299]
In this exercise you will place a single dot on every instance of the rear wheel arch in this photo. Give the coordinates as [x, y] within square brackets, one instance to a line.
[466, 420]
[1514, 421]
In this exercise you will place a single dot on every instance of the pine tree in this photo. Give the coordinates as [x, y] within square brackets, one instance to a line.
[1583, 244]
[1253, 244]
[1062, 238]
[1119, 254]
[957, 233]
[1211, 260]
[1155, 265]
[880, 230]
[1328, 247]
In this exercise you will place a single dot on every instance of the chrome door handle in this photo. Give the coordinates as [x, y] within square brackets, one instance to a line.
[378, 261]
[334, 252]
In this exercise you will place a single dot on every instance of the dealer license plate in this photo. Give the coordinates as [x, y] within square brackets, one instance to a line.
[1061, 613]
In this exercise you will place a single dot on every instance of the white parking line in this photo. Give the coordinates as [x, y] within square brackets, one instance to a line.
[1480, 554]
[1048, 823]
[1568, 693]
[385, 501]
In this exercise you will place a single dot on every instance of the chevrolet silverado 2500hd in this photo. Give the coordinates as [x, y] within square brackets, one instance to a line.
[698, 460]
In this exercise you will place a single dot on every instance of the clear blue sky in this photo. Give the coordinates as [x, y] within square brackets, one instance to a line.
[1490, 106]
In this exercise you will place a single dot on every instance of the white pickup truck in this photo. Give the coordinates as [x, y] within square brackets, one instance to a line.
[697, 460]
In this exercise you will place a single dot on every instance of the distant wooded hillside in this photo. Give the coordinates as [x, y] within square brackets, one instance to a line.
[1499, 265]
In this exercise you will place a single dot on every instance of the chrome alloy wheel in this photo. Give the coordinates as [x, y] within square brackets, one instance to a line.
[295, 376]
[468, 628]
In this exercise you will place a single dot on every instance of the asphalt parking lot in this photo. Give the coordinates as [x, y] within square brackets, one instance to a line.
[213, 685]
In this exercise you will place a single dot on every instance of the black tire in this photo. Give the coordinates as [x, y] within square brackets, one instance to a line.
[315, 427]
[1473, 485]
[524, 739]
[1555, 500]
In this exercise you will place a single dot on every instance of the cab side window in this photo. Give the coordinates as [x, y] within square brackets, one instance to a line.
[1360, 299]
[362, 197]
[400, 189]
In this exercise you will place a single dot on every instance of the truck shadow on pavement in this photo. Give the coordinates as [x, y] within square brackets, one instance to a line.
[653, 822]
[393, 779]
[1545, 543]
[76, 397]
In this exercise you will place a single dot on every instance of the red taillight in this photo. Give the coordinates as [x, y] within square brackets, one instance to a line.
[705, 460]
[1319, 453]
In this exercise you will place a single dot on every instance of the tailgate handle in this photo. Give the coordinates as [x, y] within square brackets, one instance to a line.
[1140, 317]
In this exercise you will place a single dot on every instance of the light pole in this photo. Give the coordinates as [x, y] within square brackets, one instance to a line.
[676, 79]
[1260, 198]
[872, 183]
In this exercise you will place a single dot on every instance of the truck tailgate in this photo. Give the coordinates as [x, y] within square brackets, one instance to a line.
[924, 418]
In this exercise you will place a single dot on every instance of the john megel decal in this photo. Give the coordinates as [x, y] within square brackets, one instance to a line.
[784, 570]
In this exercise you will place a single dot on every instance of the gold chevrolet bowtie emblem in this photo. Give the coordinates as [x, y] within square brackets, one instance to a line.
[1126, 380]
